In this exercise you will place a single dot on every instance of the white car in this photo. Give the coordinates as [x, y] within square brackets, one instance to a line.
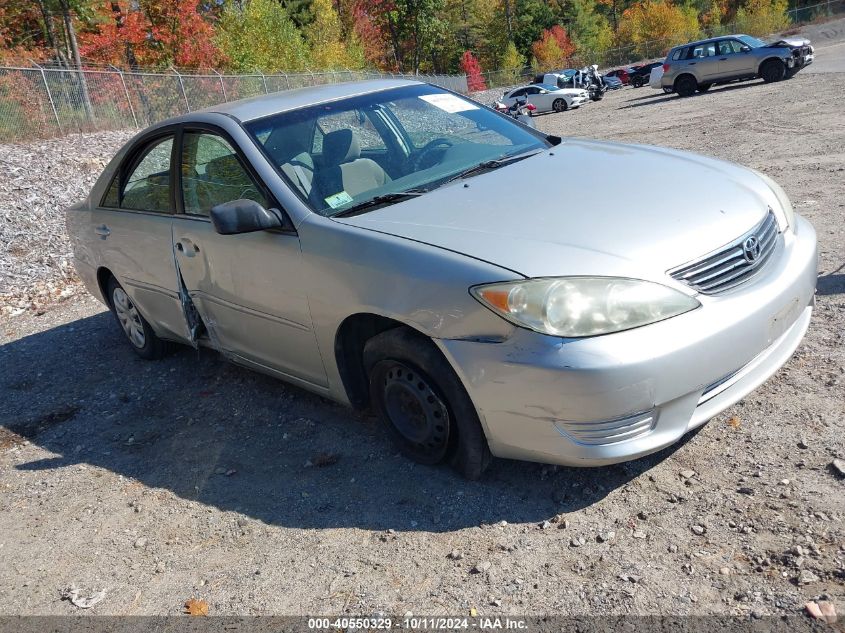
[547, 98]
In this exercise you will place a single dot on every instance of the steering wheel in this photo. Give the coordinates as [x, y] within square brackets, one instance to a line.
[428, 148]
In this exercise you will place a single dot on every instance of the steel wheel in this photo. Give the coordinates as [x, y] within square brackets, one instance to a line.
[128, 317]
[559, 105]
[417, 413]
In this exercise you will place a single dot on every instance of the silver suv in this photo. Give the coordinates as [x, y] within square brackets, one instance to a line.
[699, 65]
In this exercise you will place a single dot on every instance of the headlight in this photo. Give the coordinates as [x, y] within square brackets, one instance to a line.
[788, 213]
[583, 306]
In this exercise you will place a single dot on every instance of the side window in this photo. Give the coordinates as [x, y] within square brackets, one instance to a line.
[734, 46]
[213, 174]
[679, 54]
[532, 91]
[367, 135]
[148, 186]
[518, 93]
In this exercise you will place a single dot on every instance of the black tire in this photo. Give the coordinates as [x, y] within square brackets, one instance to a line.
[637, 82]
[560, 105]
[704, 87]
[422, 403]
[151, 347]
[772, 70]
[668, 91]
[686, 85]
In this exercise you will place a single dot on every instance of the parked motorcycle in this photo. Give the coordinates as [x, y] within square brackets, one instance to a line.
[520, 110]
[593, 82]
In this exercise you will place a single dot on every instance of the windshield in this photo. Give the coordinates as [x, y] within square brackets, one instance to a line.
[753, 42]
[346, 153]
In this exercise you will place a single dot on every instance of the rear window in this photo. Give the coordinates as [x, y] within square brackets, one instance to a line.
[678, 53]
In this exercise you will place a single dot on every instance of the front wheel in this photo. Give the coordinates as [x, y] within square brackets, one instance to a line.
[772, 70]
[704, 87]
[637, 82]
[560, 105]
[422, 404]
[137, 329]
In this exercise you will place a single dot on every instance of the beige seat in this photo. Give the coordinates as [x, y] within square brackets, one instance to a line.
[343, 169]
[292, 157]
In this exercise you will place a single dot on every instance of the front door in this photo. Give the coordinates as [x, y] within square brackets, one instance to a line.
[733, 62]
[250, 288]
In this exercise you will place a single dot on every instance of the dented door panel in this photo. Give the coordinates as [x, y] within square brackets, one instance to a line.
[249, 291]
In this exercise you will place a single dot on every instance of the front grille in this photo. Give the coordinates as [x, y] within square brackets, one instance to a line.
[608, 431]
[733, 264]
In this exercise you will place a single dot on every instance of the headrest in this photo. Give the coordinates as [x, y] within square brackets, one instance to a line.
[340, 147]
[282, 145]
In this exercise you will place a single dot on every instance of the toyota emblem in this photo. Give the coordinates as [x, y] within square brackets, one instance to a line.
[751, 249]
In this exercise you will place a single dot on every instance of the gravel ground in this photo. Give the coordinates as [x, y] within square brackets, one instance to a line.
[190, 477]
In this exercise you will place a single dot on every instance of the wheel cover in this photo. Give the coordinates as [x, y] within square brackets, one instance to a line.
[129, 318]
[416, 412]
[558, 105]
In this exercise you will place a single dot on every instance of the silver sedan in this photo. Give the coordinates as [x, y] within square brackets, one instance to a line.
[393, 246]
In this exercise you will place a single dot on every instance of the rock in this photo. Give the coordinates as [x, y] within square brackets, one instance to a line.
[698, 529]
[797, 550]
[603, 537]
[838, 465]
[454, 555]
[643, 515]
[802, 444]
[725, 571]
[745, 490]
[806, 577]
[480, 567]
[577, 541]
[673, 548]
[638, 534]
[784, 482]
[687, 474]
[545, 525]
[140, 543]
[562, 525]
[496, 602]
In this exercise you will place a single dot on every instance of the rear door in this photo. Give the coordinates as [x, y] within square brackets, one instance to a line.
[133, 227]
[250, 289]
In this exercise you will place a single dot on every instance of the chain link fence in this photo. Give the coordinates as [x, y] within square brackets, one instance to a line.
[41, 102]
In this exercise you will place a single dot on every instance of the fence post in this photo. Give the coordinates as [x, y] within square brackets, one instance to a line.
[126, 92]
[222, 87]
[264, 81]
[182, 88]
[49, 96]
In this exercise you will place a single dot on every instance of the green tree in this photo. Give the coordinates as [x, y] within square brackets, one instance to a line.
[325, 39]
[260, 36]
[762, 17]
[589, 29]
[512, 64]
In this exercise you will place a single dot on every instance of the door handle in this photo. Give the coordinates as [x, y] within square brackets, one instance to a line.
[187, 248]
[103, 231]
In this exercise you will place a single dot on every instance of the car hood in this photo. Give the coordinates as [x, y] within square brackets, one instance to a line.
[791, 42]
[568, 212]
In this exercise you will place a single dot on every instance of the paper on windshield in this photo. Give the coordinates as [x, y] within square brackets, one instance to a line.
[448, 102]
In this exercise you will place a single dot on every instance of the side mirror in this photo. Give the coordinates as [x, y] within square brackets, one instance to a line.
[244, 216]
[744, 48]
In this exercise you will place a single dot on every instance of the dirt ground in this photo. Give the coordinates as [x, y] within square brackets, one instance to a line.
[190, 477]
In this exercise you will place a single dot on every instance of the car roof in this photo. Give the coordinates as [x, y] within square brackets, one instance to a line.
[709, 39]
[265, 105]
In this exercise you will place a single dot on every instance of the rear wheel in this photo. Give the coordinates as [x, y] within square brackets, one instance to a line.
[637, 82]
[560, 105]
[137, 329]
[704, 87]
[685, 85]
[422, 404]
[772, 70]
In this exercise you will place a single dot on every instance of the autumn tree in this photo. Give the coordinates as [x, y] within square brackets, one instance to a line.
[472, 69]
[325, 39]
[762, 17]
[654, 26]
[258, 35]
[512, 64]
[151, 33]
[553, 49]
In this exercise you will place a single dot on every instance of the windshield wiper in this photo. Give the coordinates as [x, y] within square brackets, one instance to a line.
[488, 165]
[383, 199]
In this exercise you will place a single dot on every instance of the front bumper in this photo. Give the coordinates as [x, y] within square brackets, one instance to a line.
[607, 399]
